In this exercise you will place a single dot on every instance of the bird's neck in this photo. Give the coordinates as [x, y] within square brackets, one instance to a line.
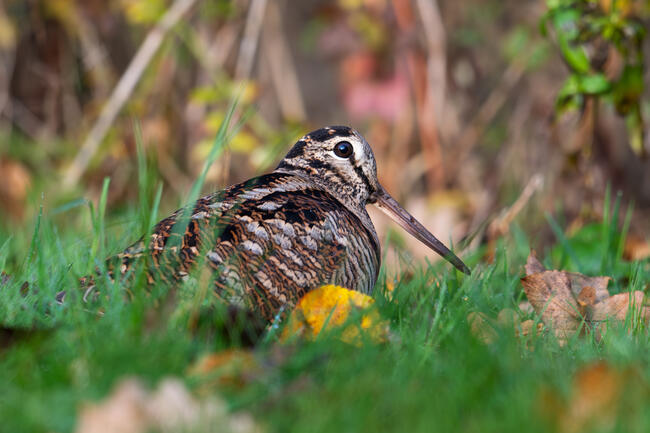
[343, 193]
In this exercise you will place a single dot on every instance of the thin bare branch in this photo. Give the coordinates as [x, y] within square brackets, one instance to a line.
[250, 40]
[427, 122]
[488, 110]
[124, 89]
[434, 32]
[283, 71]
[501, 224]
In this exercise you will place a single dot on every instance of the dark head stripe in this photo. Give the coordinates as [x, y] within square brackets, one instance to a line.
[315, 164]
[364, 178]
[333, 131]
[322, 165]
[297, 150]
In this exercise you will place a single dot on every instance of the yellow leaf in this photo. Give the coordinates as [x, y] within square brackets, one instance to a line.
[244, 142]
[330, 306]
[7, 31]
[143, 11]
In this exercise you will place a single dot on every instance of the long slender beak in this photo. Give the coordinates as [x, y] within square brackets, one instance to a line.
[398, 214]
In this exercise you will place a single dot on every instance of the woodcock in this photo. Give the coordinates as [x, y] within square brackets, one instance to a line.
[271, 239]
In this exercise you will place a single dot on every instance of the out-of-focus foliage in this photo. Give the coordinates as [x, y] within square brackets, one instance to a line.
[602, 44]
[457, 101]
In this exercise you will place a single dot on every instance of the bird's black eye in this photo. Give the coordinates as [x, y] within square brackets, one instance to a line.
[343, 149]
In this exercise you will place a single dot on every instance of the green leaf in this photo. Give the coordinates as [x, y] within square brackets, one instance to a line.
[594, 84]
[566, 29]
[628, 89]
[635, 131]
[574, 56]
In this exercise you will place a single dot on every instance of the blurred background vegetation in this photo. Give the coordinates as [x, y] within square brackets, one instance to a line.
[470, 106]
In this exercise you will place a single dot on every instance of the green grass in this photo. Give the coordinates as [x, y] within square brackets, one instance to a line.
[432, 375]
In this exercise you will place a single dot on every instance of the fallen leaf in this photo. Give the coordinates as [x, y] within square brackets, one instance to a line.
[123, 411]
[567, 300]
[618, 306]
[533, 265]
[595, 399]
[232, 367]
[526, 308]
[507, 317]
[528, 327]
[15, 184]
[481, 328]
[131, 408]
[484, 328]
[549, 293]
[596, 390]
[332, 306]
[636, 248]
[598, 284]
[578, 281]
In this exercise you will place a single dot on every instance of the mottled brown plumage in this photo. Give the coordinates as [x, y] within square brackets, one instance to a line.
[269, 240]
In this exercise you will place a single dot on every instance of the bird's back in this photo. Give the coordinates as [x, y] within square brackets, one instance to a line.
[262, 243]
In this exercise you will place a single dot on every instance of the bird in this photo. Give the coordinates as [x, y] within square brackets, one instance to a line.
[268, 241]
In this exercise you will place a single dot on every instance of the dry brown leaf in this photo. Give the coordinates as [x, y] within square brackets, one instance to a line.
[586, 298]
[594, 400]
[526, 308]
[507, 317]
[528, 327]
[636, 248]
[549, 293]
[566, 300]
[232, 367]
[131, 408]
[479, 325]
[16, 181]
[599, 285]
[578, 281]
[533, 265]
[123, 411]
[484, 328]
[617, 307]
[596, 390]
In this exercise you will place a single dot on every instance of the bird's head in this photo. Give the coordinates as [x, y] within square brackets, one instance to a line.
[339, 160]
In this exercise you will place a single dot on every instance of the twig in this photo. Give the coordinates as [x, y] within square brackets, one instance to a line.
[6, 68]
[217, 52]
[124, 89]
[26, 121]
[283, 72]
[425, 111]
[249, 41]
[94, 55]
[7, 61]
[434, 32]
[488, 110]
[501, 224]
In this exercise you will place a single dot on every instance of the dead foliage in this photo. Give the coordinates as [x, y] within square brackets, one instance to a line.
[600, 397]
[567, 303]
[233, 368]
[16, 181]
[636, 248]
[131, 408]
